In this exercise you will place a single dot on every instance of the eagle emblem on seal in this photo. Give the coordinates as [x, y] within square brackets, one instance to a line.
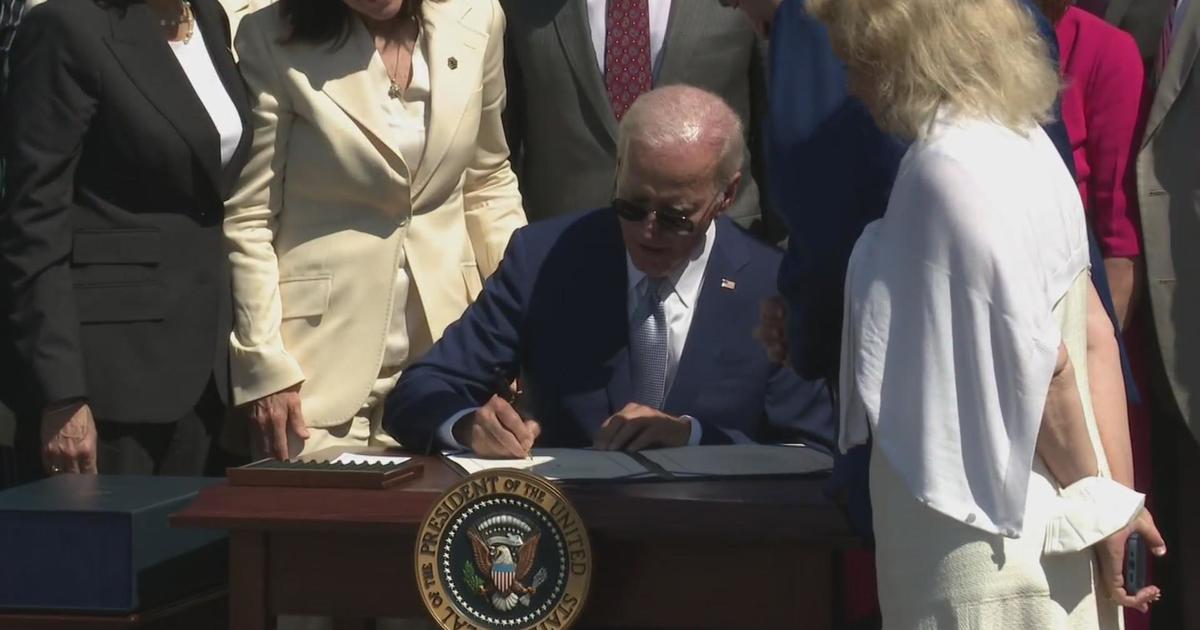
[504, 550]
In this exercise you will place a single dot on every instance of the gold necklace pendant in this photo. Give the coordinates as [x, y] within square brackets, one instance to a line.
[188, 19]
[395, 91]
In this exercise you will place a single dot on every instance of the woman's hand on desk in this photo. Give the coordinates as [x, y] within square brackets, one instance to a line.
[272, 417]
[638, 427]
[1111, 554]
[69, 439]
[497, 430]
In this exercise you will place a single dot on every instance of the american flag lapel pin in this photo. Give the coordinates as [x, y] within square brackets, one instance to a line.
[728, 284]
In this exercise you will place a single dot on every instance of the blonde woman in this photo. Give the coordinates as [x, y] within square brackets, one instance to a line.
[965, 340]
[377, 198]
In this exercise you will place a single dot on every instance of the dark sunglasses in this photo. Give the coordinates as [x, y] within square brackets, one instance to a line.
[671, 220]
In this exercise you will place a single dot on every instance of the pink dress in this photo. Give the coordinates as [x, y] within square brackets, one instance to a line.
[1100, 107]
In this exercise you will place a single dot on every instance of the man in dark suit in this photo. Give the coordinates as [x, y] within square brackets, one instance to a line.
[630, 327]
[575, 65]
[1168, 179]
[10, 15]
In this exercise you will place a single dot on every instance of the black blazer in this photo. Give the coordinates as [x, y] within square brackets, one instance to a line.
[111, 250]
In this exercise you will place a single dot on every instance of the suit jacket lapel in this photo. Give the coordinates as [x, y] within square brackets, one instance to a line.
[714, 309]
[609, 284]
[138, 45]
[455, 53]
[1116, 11]
[574, 35]
[216, 40]
[356, 79]
[684, 31]
[1178, 69]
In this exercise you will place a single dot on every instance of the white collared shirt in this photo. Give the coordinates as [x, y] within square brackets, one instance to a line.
[201, 72]
[660, 12]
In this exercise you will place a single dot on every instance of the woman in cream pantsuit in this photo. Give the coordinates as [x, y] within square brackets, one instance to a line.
[377, 198]
[965, 337]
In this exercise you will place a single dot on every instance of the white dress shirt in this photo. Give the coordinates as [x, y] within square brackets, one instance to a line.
[679, 308]
[408, 118]
[660, 12]
[202, 74]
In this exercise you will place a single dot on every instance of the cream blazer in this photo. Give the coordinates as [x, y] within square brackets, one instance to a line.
[235, 10]
[326, 202]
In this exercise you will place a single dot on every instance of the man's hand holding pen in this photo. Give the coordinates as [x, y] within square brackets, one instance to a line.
[497, 430]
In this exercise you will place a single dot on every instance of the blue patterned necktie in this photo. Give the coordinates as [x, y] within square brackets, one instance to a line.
[648, 346]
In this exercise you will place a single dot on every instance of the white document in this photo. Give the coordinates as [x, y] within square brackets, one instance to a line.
[561, 464]
[740, 459]
[355, 458]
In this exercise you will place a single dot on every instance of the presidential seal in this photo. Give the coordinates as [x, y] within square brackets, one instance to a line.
[503, 549]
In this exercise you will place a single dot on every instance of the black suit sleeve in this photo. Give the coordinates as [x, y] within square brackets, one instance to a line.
[772, 228]
[514, 110]
[50, 104]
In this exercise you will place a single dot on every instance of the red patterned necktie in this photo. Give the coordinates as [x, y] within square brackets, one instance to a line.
[627, 53]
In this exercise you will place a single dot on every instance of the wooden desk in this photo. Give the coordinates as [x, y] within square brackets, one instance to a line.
[693, 554]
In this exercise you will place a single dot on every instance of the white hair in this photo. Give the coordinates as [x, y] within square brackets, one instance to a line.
[682, 115]
[980, 57]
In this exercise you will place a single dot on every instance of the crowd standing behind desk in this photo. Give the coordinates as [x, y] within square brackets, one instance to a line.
[573, 66]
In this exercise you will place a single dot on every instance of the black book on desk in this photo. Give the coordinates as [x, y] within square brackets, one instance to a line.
[101, 543]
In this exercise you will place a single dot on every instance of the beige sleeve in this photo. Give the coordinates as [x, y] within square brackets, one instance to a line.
[259, 364]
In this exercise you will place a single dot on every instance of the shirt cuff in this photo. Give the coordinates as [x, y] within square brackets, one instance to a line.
[1090, 510]
[445, 432]
[697, 431]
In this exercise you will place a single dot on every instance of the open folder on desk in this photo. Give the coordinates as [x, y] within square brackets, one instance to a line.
[740, 460]
[688, 462]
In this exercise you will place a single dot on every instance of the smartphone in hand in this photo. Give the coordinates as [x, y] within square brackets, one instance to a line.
[1135, 564]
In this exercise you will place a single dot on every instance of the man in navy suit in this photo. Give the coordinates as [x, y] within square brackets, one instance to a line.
[630, 327]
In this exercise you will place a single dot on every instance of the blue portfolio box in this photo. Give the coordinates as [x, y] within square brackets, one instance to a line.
[101, 543]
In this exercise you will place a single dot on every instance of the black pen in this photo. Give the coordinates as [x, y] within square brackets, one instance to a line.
[504, 390]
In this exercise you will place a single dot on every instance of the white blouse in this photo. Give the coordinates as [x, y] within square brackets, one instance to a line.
[950, 339]
[408, 117]
[198, 66]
